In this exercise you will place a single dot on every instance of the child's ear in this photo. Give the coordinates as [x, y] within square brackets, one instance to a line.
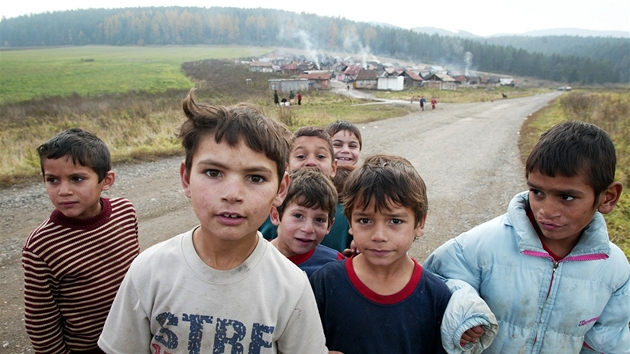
[334, 167]
[185, 177]
[330, 226]
[610, 197]
[282, 190]
[419, 230]
[274, 216]
[108, 181]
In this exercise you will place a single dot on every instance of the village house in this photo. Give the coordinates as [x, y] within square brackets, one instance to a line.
[412, 79]
[318, 80]
[305, 66]
[474, 80]
[506, 81]
[290, 69]
[440, 82]
[350, 73]
[461, 80]
[285, 86]
[391, 83]
[366, 79]
[261, 67]
[490, 81]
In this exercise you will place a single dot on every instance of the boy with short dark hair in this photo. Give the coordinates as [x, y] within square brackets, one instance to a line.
[347, 143]
[386, 203]
[220, 287]
[312, 147]
[76, 259]
[547, 268]
[304, 218]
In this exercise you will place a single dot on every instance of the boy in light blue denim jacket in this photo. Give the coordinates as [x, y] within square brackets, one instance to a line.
[547, 268]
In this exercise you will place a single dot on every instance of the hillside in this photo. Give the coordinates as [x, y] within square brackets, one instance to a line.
[265, 27]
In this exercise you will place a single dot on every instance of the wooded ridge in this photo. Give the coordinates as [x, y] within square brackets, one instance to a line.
[607, 60]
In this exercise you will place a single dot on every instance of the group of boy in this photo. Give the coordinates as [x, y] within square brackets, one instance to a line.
[546, 269]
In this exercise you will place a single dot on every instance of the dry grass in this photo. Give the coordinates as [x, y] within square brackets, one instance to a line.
[143, 125]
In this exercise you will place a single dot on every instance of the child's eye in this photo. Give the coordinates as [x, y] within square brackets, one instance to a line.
[363, 220]
[297, 215]
[337, 145]
[320, 220]
[52, 180]
[354, 145]
[322, 157]
[567, 198]
[397, 221]
[77, 179]
[300, 157]
[257, 179]
[212, 173]
[536, 192]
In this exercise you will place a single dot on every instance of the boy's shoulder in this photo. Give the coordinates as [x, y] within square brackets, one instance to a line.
[115, 210]
[328, 252]
[434, 282]
[178, 252]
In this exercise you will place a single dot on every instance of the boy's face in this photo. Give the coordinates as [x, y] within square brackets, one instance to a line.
[232, 189]
[74, 189]
[312, 151]
[384, 237]
[562, 207]
[346, 147]
[301, 228]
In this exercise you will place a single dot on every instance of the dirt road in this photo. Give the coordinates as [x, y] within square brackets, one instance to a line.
[467, 154]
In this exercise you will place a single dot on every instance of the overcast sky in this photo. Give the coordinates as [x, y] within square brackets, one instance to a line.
[481, 17]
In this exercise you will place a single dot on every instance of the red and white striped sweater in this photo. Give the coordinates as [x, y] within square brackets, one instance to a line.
[72, 271]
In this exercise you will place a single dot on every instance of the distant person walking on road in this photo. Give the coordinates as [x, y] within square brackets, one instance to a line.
[291, 98]
[276, 99]
[299, 97]
[433, 103]
[412, 97]
[422, 102]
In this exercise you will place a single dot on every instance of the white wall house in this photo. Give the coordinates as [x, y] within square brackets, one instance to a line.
[393, 83]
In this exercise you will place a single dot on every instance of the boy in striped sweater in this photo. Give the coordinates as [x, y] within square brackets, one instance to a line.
[76, 259]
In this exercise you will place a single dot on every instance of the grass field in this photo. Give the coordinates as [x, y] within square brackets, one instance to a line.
[131, 98]
[93, 70]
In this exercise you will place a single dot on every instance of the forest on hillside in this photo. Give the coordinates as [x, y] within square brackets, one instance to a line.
[267, 27]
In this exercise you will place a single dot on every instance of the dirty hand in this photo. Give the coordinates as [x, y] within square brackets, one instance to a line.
[471, 335]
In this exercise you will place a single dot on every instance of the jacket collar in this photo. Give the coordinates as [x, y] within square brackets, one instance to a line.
[594, 238]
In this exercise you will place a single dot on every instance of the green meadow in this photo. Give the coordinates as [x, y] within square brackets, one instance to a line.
[93, 70]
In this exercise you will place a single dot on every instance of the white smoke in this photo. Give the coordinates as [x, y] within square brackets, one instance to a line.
[308, 46]
[468, 60]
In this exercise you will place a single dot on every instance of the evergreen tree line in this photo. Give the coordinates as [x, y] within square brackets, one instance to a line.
[267, 27]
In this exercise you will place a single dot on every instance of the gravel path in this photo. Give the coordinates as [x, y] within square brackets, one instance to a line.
[466, 153]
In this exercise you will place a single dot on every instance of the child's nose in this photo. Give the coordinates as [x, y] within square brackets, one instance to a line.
[308, 226]
[311, 162]
[232, 190]
[378, 234]
[64, 188]
[549, 208]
